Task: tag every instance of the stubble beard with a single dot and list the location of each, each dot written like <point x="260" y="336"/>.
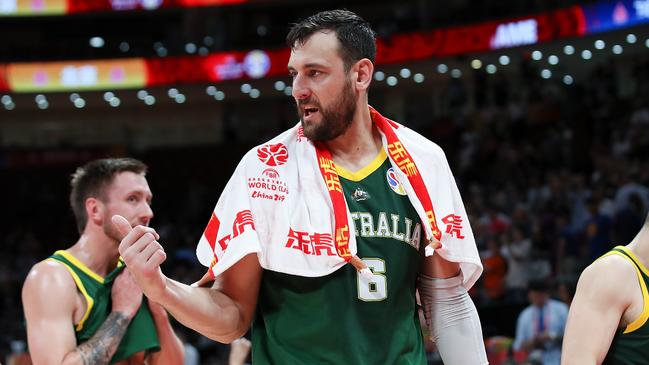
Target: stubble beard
<point x="336" y="118"/>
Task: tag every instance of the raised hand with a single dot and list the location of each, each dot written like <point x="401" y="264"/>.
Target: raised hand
<point x="143" y="255"/>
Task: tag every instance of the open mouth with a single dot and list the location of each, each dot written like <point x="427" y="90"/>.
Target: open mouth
<point x="309" y="111"/>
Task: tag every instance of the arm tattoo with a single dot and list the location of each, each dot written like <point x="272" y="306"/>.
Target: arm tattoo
<point x="101" y="347"/>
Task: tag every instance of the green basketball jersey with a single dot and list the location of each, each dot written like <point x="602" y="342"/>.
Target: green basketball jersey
<point x="631" y="345"/>
<point x="341" y="318"/>
<point x="141" y="334"/>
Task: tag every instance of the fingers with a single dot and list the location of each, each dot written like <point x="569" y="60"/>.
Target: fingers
<point x="150" y="250"/>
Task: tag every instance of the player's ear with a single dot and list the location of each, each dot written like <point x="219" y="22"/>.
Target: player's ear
<point x="95" y="210"/>
<point x="363" y="70"/>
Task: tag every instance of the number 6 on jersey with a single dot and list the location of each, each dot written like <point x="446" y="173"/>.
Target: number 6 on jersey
<point x="375" y="289"/>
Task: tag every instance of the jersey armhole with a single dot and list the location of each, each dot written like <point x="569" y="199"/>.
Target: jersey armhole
<point x="89" y="301"/>
<point x="644" y="315"/>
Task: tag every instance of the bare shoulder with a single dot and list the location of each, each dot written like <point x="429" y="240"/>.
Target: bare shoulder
<point x="44" y="279"/>
<point x="608" y="277"/>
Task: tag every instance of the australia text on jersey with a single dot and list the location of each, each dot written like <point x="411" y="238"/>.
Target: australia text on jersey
<point x="365" y="226"/>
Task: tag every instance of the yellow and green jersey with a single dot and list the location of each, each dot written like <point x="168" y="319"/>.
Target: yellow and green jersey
<point x="340" y="318"/>
<point x="141" y="334"/>
<point x="630" y="345"/>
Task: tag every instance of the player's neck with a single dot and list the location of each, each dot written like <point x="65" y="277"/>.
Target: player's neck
<point x="640" y="244"/>
<point x="359" y="145"/>
<point x="97" y="251"/>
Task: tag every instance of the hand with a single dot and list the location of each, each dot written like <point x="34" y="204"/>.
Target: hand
<point x="239" y="350"/>
<point x="126" y="296"/>
<point x="143" y="255"/>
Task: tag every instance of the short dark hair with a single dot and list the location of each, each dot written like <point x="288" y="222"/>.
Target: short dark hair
<point x="90" y="180"/>
<point x="356" y="37"/>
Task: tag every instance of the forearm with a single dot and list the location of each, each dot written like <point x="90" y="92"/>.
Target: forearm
<point x="205" y="310"/>
<point x="171" y="348"/>
<point x="453" y="319"/>
<point x="101" y="347"/>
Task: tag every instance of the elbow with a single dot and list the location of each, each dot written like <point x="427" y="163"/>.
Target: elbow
<point x="228" y="338"/>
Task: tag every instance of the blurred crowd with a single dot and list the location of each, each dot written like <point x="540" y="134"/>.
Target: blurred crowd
<point x="552" y="176"/>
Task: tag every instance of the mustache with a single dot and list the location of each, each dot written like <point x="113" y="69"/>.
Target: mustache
<point x="308" y="101"/>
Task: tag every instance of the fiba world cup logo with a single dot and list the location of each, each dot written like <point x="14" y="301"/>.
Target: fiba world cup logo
<point x="394" y="183"/>
<point x="273" y="154"/>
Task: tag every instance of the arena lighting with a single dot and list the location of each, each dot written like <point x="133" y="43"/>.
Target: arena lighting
<point x="245" y="88"/>
<point x="124" y="47"/>
<point x="418" y="78"/>
<point x="79" y="103"/>
<point x="10" y="105"/>
<point x="600" y="44"/>
<point x="537" y="55"/>
<point x="208" y="41"/>
<point x="379" y="76"/>
<point x="617" y="49"/>
<point x="392" y="81"/>
<point x="646" y="42"/>
<point x="220" y="95"/>
<point x="553" y="60"/>
<point x="456" y="73"/>
<point x="442" y="68"/>
<point x="180" y="98"/>
<point x="546" y="74"/>
<point x="203" y="51"/>
<point x="74" y="96"/>
<point x="568" y="80"/>
<point x="568" y="50"/>
<point x="586" y="54"/>
<point x="41" y="102"/>
<point x="96" y="42"/>
<point x="141" y="94"/>
<point x="190" y="48"/>
<point x="254" y="93"/>
<point x="504" y="60"/>
<point x="280" y="85"/>
<point x="114" y="102"/>
<point x="476" y="64"/>
<point x="149" y="100"/>
<point x="631" y="38"/>
<point x="211" y="90"/>
<point x="405" y="73"/>
<point x="6" y="99"/>
<point x="108" y="95"/>
<point x="491" y="69"/>
<point x="563" y="23"/>
<point x="173" y="92"/>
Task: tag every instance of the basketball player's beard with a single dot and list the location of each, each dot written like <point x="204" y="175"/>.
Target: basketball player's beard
<point x="110" y="230"/>
<point x="336" y="118"/>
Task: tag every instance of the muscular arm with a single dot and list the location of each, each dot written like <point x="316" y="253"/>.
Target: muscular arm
<point x="603" y="294"/>
<point x="223" y="312"/>
<point x="49" y="298"/>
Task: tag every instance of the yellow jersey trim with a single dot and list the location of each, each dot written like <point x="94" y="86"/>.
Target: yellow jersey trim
<point x="365" y="171"/>
<point x="80" y="265"/>
<point x="635" y="258"/>
<point x="89" y="299"/>
<point x="644" y="316"/>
